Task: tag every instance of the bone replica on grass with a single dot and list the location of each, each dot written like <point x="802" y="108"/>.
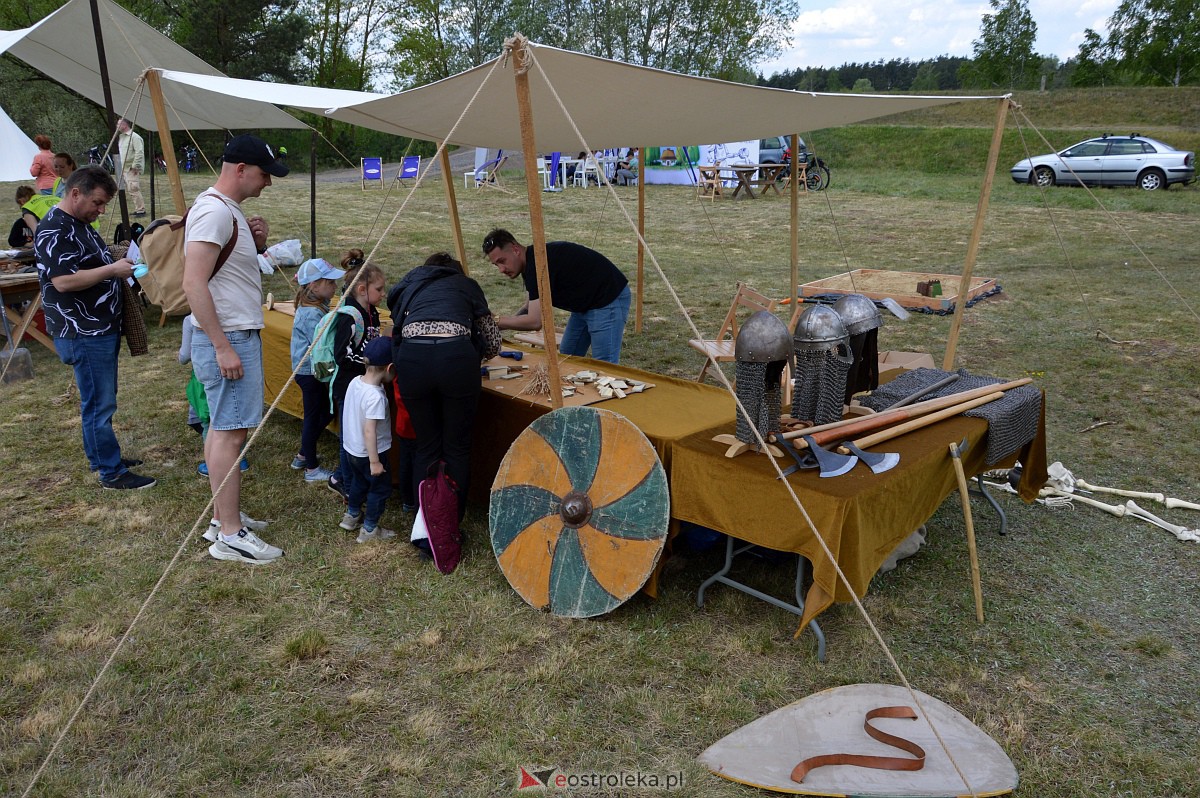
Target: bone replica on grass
<point x="1060" y="492"/>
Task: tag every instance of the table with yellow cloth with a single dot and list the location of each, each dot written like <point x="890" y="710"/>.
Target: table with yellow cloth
<point x="862" y="516"/>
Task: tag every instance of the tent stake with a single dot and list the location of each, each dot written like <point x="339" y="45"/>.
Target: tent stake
<point x="985" y="192"/>
<point x="533" y="186"/>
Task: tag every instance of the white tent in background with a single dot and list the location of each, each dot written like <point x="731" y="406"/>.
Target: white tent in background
<point x="16" y="151"/>
<point x="62" y="46"/>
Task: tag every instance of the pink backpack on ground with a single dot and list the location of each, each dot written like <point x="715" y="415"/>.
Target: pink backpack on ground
<point x="438" y="495"/>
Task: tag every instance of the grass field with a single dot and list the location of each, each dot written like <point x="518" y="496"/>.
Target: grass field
<point x="358" y="670"/>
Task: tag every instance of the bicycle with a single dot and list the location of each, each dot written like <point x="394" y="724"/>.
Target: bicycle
<point x="189" y="162"/>
<point x="816" y="175"/>
<point x="96" y="156"/>
<point x="160" y="163"/>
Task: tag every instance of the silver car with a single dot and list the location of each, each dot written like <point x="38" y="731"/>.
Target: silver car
<point x="1111" y="161"/>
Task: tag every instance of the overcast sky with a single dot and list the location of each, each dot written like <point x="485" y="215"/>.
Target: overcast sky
<point x="833" y="32"/>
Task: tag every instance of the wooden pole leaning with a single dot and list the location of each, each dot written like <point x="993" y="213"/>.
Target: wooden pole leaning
<point x="460" y="248"/>
<point x="533" y="187"/>
<point x="154" y="83"/>
<point x="985" y="192"/>
<point x="965" y="493"/>
<point x="794" y="194"/>
<point x="641" y="256"/>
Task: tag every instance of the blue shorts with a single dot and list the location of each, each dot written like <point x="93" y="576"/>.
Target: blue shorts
<point x="232" y="404"/>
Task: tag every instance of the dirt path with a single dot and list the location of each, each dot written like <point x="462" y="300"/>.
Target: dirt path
<point x="460" y="161"/>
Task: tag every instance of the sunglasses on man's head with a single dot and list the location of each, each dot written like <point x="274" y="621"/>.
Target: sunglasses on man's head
<point x="489" y="244"/>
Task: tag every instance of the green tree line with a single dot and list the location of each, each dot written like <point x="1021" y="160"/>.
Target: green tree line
<point x="1149" y="43"/>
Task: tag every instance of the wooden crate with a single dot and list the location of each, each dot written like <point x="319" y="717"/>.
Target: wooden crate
<point x="900" y="286"/>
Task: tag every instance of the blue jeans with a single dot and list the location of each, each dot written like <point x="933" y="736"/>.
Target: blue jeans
<point x="601" y="328"/>
<point x="94" y="359"/>
<point x="362" y="488"/>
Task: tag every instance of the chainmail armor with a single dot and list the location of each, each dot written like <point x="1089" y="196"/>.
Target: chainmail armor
<point x="759" y="391"/>
<point x="819" y="386"/>
<point x="1012" y="420"/>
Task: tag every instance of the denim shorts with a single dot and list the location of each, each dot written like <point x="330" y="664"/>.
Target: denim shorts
<point x="232" y="404"/>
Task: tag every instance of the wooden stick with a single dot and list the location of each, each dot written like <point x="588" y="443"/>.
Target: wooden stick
<point x="921" y="421"/>
<point x="985" y="192"/>
<point x="533" y="188"/>
<point x="879" y="420"/>
<point x="965" y="493"/>
<point x="460" y="248"/>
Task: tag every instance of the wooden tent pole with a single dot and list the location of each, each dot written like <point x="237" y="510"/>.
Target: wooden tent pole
<point x="105" y="83"/>
<point x="795" y="220"/>
<point x="533" y="187"/>
<point x="312" y="192"/>
<point x="452" y="205"/>
<point x="641" y="258"/>
<point x="964" y="283"/>
<point x="154" y="83"/>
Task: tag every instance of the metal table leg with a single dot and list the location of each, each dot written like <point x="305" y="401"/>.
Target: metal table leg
<point x="982" y="491"/>
<point x="797" y="608"/>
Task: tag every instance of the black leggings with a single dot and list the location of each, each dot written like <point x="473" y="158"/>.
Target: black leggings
<point x="440" y="385"/>
<point x="317" y="415"/>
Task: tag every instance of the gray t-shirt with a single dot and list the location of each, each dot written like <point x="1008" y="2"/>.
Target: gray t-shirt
<point x="237" y="287"/>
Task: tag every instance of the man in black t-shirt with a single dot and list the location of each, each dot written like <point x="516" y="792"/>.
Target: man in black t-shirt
<point x="81" y="295"/>
<point x="582" y="281"/>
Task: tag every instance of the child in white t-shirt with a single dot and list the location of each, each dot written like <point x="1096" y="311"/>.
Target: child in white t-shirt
<point x="366" y="438"/>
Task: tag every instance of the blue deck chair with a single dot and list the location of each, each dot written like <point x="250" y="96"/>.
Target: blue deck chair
<point x="410" y="167"/>
<point x="372" y="170"/>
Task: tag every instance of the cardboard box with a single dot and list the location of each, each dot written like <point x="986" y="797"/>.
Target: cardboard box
<point x="892" y="364"/>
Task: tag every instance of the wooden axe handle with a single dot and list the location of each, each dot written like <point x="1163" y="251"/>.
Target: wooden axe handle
<point x="924" y="421"/>
<point x="852" y="427"/>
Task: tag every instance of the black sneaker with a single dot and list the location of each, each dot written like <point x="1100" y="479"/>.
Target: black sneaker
<point x="337" y="486"/>
<point x="128" y="481"/>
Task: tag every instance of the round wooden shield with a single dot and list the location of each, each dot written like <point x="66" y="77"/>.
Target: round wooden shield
<point x="579" y="512"/>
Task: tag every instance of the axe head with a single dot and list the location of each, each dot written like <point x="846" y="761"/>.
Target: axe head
<point x="832" y="464"/>
<point x="878" y="463"/>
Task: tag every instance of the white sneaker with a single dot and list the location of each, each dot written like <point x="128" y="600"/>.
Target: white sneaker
<point x="378" y="533"/>
<point x="350" y="522"/>
<point x="214" y="527"/>
<point x="245" y="547"/>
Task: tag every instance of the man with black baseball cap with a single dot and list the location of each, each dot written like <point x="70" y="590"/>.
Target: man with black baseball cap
<point x="223" y="285"/>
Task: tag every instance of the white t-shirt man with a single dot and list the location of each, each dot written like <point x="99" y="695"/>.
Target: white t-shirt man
<point x="237" y="287"/>
<point x="364" y="401"/>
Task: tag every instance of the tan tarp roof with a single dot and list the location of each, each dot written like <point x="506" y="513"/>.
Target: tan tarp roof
<point x="614" y="104"/>
<point x="63" y="47"/>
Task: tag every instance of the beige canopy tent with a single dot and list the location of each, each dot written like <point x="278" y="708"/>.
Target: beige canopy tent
<point x="570" y="101"/>
<point x="62" y="46"/>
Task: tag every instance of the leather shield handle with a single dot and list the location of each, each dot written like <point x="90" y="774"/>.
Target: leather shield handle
<point x="852" y="427"/>
<point x="871" y="760"/>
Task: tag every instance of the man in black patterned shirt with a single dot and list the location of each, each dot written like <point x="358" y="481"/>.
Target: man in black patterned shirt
<point x="81" y="296"/>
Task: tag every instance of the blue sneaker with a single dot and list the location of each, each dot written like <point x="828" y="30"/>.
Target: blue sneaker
<point x="202" y="469"/>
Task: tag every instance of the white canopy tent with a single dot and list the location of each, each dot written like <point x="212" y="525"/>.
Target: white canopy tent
<point x="16" y="151"/>
<point x="62" y="46"/>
